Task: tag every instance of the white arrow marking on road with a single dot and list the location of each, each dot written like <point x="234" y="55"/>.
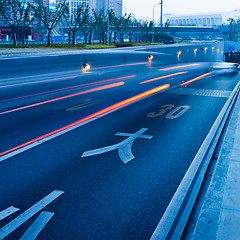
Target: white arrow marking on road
<point x="37" y="226"/>
<point x="18" y="221"/>
<point x="124" y="147"/>
<point x="7" y="212"/>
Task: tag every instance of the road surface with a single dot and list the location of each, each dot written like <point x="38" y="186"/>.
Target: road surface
<point x="99" y="155"/>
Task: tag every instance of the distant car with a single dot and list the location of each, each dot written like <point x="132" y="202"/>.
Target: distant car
<point x="225" y="68"/>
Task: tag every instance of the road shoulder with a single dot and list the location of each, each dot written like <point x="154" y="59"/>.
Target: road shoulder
<point x="220" y="213"/>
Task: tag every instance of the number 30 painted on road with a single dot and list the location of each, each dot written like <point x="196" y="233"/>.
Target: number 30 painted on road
<point x="175" y="113"/>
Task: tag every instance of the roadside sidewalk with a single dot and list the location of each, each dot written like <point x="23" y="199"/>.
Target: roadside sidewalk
<point x="219" y="215"/>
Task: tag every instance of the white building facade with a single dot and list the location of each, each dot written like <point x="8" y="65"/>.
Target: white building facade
<point x="208" y="20"/>
<point x="196" y="20"/>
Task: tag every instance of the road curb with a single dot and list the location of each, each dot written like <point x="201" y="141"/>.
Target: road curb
<point x="174" y="219"/>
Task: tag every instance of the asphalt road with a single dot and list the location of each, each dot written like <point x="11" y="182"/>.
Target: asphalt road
<point x="144" y="138"/>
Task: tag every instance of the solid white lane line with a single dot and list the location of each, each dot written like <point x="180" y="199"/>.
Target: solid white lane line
<point x="37" y="226"/>
<point x="7" y="212"/>
<point x="18" y="221"/>
<point x="32" y="145"/>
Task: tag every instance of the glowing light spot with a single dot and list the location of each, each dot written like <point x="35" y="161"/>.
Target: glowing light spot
<point x="150" y="57"/>
<point x="86" y="67"/>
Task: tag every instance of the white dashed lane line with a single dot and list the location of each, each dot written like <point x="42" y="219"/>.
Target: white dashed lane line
<point x="7" y="212"/>
<point x="25" y="216"/>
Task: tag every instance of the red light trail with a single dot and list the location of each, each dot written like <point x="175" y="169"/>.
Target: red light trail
<point x="102" y="112"/>
<point x="64" y="97"/>
<point x="176" y="67"/>
<point x="162" y="77"/>
<point x="195" y="79"/>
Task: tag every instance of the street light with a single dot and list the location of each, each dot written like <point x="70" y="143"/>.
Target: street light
<point x="161" y="16"/>
<point x="108" y="24"/>
<point x="153" y="22"/>
<point x="123" y="6"/>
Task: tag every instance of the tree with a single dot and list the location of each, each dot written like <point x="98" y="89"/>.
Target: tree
<point x="145" y="29"/>
<point x="234" y="29"/>
<point x="78" y="19"/>
<point x="112" y="22"/>
<point x="50" y="16"/>
<point x="231" y="29"/>
<point x="100" y="24"/>
<point x="132" y="28"/>
<point x="88" y="30"/>
<point x="18" y="15"/>
<point x="238" y="29"/>
<point x="122" y="25"/>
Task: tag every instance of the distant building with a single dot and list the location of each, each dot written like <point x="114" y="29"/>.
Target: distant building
<point x="116" y="5"/>
<point x="73" y="4"/>
<point x="208" y="20"/>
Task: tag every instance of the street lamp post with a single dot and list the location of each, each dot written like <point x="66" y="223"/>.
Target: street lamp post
<point x="153" y="22"/>
<point x="123" y="6"/>
<point x="161" y="15"/>
<point x="108" y="24"/>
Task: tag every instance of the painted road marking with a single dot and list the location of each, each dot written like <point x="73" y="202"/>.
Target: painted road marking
<point x="37" y="226"/>
<point x="200" y="92"/>
<point x="175" y="113"/>
<point x="124" y="147"/>
<point x="163" y="109"/>
<point x="7" y="212"/>
<point x="85" y="103"/>
<point x="25" y="216"/>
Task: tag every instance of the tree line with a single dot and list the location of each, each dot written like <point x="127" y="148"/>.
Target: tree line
<point x="20" y="14"/>
<point x="234" y="29"/>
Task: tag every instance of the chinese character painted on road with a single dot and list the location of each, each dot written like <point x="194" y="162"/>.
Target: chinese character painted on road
<point x="124" y="147"/>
